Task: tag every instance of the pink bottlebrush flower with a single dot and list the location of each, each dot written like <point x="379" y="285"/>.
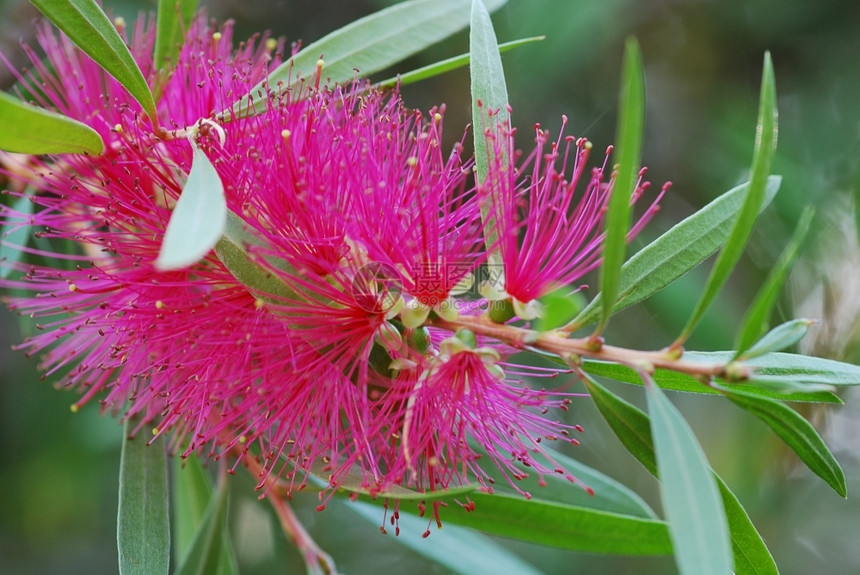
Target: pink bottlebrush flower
<point x="463" y="404"/>
<point x="192" y="350"/>
<point x="547" y="236"/>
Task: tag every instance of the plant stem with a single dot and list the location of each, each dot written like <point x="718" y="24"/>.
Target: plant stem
<point x="571" y="349"/>
<point x="318" y="561"/>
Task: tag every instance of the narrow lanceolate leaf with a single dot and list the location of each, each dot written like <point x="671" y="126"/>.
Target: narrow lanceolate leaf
<point x="767" y="384"/>
<point x="174" y="18"/>
<point x="749" y="550"/>
<point x="628" y="155"/>
<point x="756" y="320"/>
<point x="489" y="105"/>
<point x="562" y="526"/>
<point x="191" y="494"/>
<point x="630" y="424"/>
<point x="798" y="368"/>
<point x="608" y="494"/>
<point x="779" y="338"/>
<point x="14" y="235"/>
<point x="797" y="433"/>
<point x="198" y="219"/>
<point x="31" y="130"/>
<point x="676" y="252"/>
<point x="447" y="65"/>
<point x="691" y="500"/>
<point x="143" y="522"/>
<point x="205" y="553"/>
<point x="370" y="44"/>
<point x="752" y="556"/>
<point x="458" y="549"/>
<point x="765" y="146"/>
<point x="86" y="24"/>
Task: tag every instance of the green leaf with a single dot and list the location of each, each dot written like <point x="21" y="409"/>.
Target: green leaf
<point x="447" y="65"/>
<point x="190" y="493"/>
<point x="801" y="368"/>
<point x="752" y="556"/>
<point x="15" y="234"/>
<point x="143" y="522"/>
<point x="559" y="307"/>
<point x="609" y="495"/>
<point x="797" y="433"/>
<point x="31" y="130"/>
<point x="765" y="146"/>
<point x="675" y="253"/>
<point x="205" y="553"/>
<point x="755" y="322"/>
<point x="369" y="44"/>
<point x="458" y="549"/>
<point x="677" y="381"/>
<point x="198" y="219"/>
<point x="628" y="155"/>
<point x="86" y="24"/>
<point x="232" y="250"/>
<point x="691" y="500"/>
<point x="174" y="18"/>
<point x="779" y="338"/>
<point x="489" y="107"/>
<point x="630" y="424"/>
<point x="560" y="525"/>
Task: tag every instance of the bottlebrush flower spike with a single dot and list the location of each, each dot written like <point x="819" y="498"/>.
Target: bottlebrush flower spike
<point x="549" y="238"/>
<point x="464" y="404"/>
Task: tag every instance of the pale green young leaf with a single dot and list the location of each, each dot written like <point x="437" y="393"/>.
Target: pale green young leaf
<point x="447" y="65"/>
<point x="143" y="522"/>
<point x="675" y="253"/>
<point x="627" y="156"/>
<point x="797" y="433"/>
<point x="172" y="22"/>
<point x="86" y="24"/>
<point x="778" y="339"/>
<point x="368" y="45"/>
<point x="691" y="499"/>
<point x="765" y="146"/>
<point x="458" y="549"/>
<point x="756" y="319"/>
<point x="198" y="219"/>
<point x="205" y="554"/>
<point x="15" y="234"/>
<point x="31" y="130"/>
<point x="489" y="108"/>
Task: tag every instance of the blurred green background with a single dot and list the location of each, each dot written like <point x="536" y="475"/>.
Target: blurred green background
<point x="58" y="471"/>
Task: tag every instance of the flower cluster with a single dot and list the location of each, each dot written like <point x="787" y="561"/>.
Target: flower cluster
<point x="317" y="336"/>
